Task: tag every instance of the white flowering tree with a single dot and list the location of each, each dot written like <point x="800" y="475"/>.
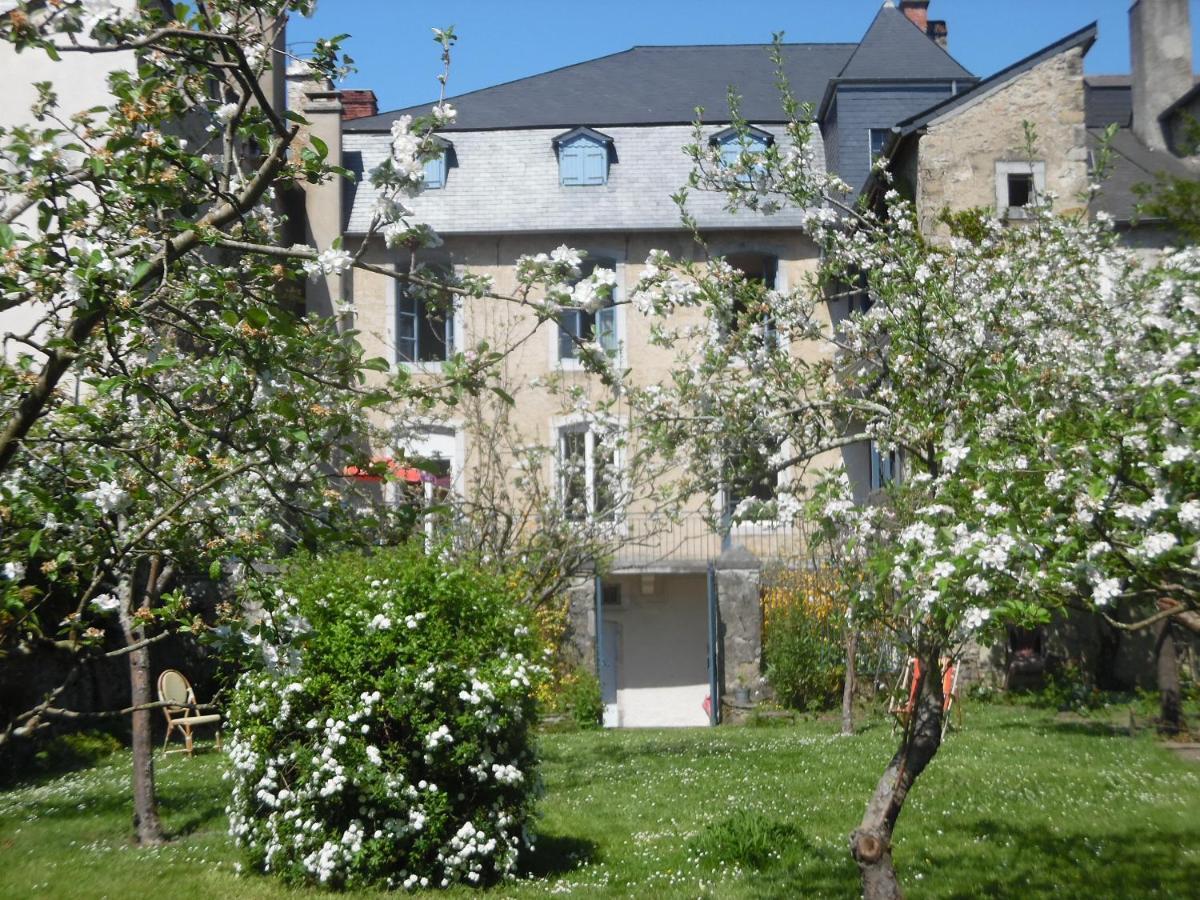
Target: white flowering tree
<point x="1038" y="381"/>
<point x="166" y="407"/>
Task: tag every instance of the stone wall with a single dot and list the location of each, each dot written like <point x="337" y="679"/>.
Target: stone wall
<point x="958" y="154"/>
<point x="740" y="619"/>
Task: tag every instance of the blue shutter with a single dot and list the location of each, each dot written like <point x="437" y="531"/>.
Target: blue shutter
<point x="406" y="325"/>
<point x="595" y="163"/>
<point x="730" y="150"/>
<point x="568" y="328"/>
<point x="606" y="329"/>
<point x="435" y="171"/>
<point x="570" y="163"/>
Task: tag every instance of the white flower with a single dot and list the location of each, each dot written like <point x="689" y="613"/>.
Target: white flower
<point x="1157" y="544"/>
<point x="374" y="755"/>
<point x="108" y="497"/>
<point x="14" y="571"/>
<point x="444" y="113"/>
<point x="1105" y="591"/>
<point x="328" y="262"/>
<point x="954" y="456"/>
<point x="977" y="585"/>
<point x="105" y="603"/>
<point x="976" y="618"/>
<point x="1189" y="515"/>
<point x="225" y="113"/>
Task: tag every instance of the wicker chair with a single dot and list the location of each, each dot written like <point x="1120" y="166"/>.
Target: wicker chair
<point x="175" y="689"/>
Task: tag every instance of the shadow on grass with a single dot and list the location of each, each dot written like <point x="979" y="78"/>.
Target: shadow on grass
<point x="1081" y="727"/>
<point x="1010" y="859"/>
<point x="555" y="854"/>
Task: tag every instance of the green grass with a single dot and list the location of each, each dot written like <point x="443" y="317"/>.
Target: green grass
<point x="1019" y="803"/>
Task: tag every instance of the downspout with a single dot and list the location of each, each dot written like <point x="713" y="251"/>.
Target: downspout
<point x="714" y="707"/>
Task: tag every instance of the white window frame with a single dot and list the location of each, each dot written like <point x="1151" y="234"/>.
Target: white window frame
<point x="572" y="363"/>
<point x="579" y="425"/>
<point x="1004" y="168"/>
<point x="436" y="442"/>
<point x="456" y="320"/>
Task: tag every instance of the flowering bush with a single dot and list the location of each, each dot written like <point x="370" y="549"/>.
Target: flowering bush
<point x="385" y="735"/>
<point x="804" y="624"/>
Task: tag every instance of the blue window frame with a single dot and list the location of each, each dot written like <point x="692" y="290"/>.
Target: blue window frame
<point x="886" y="468"/>
<point x="435" y="171"/>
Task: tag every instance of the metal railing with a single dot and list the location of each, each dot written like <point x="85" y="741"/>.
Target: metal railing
<point x="648" y="542"/>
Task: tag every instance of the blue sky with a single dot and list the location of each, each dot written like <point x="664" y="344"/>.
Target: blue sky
<point x="498" y="41"/>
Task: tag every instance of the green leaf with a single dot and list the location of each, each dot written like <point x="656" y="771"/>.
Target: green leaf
<point x="35" y="543"/>
<point x="319" y="145"/>
<point x="214" y="570"/>
<point x="504" y="395"/>
<point x="257" y="316"/>
<point x="7" y="236"/>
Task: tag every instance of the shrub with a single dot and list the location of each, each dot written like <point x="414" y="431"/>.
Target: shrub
<point x="582" y="695"/>
<point x="804" y="623"/>
<point x="387" y="737"/>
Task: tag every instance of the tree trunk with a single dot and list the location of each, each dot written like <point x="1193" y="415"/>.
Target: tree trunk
<point x="147" y="827"/>
<point x="851" y="676"/>
<point x="1171" y="720"/>
<point x="871" y="842"/>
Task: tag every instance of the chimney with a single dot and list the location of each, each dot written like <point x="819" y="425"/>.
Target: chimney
<point x="940" y="34"/>
<point x="359" y="104"/>
<point x="917" y="12"/>
<point x="1160" y="51"/>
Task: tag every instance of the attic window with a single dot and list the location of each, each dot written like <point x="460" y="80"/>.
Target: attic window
<point x="435" y="168"/>
<point x="1018" y="186"/>
<point x="583" y="157"/>
<point x="734" y="143"/>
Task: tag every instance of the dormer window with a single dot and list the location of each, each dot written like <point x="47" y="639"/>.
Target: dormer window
<point x="732" y="144"/>
<point x="435" y="169"/>
<point x="583" y="157"/>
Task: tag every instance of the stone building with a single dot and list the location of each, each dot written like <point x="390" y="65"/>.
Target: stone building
<point x="589" y="156"/>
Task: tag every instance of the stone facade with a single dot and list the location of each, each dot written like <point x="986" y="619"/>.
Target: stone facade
<point x="957" y="157"/>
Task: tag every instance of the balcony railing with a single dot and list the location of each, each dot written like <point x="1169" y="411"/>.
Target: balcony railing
<point x="651" y="542"/>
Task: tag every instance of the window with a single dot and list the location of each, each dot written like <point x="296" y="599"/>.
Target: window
<point x="587" y="473"/>
<point x="583" y="157"/>
<point x="424" y="479"/>
<point x="1020" y="189"/>
<point x="1018" y="186"/>
<point x="732" y="145"/>
<point x="424" y="324"/>
<point x="435" y="171"/>
<point x="879" y="139"/>
<point x="886" y="467"/>
<point x="576" y="324"/>
<point x="751" y="478"/>
<point x="762" y="270"/>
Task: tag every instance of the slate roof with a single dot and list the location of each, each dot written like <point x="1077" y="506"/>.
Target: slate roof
<point x="1084" y="38"/>
<point x="894" y="48"/>
<point x="644" y="86"/>
<point x="1133" y="163"/>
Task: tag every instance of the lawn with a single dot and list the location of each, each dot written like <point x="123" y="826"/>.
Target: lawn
<point x="1019" y="803"/>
